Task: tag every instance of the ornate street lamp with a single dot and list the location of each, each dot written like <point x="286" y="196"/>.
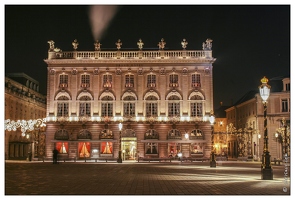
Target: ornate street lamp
<point x="266" y="169"/>
<point x="212" y="157"/>
<point x="120" y="137"/>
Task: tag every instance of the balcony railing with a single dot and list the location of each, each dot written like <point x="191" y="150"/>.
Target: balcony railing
<point x="151" y="85"/>
<point x="129" y="85"/>
<point x="107" y="84"/>
<point x="85" y="85"/>
<point x="130" y="54"/>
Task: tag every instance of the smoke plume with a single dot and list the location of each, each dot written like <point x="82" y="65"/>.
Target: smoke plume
<point x="100" y="16"/>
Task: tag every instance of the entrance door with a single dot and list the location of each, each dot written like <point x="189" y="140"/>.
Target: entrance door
<point x="129" y="148"/>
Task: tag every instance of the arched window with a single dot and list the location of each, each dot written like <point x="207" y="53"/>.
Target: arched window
<point x="196" y="106"/>
<point x="151" y="106"/>
<point x="173" y="106"/>
<point x="63" y="106"/>
<point x="129" y="106"/>
<point x="107" y="106"/>
<point x="84" y="106"/>
<point x="151" y="134"/>
<point x="174" y="134"/>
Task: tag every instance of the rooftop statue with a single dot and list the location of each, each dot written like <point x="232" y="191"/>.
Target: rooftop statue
<point x="51" y="45"/>
<point x="140" y="44"/>
<point x="119" y="43"/>
<point x="97" y="45"/>
<point x="208" y="44"/>
<point x="75" y="44"/>
<point x="184" y="43"/>
<point x="161" y="44"/>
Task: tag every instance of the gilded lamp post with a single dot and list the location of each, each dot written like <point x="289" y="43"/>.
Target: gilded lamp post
<point x="120" y="137"/>
<point x="212" y="157"/>
<point x="266" y="169"/>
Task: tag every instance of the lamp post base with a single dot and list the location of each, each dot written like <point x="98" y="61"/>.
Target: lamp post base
<point x="212" y="160"/>
<point x="266" y="174"/>
<point x="119" y="160"/>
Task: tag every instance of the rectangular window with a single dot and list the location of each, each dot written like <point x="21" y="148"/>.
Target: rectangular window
<point x="288" y="87"/>
<point x="62" y="109"/>
<point x="62" y="147"/>
<point x="173" y="109"/>
<point x="107" y="80"/>
<point x="285" y="106"/>
<point x="196" y="110"/>
<point x="129" y="81"/>
<point x="174" y="149"/>
<point x="106" y="148"/>
<point x="196" y="80"/>
<point x="106" y="109"/>
<point x="85" y="109"/>
<point x="151" y="80"/>
<point x="173" y="80"/>
<point x="85" y="80"/>
<point x="129" y="109"/>
<point x="151" y="148"/>
<point x="63" y="80"/>
<point x="151" y="109"/>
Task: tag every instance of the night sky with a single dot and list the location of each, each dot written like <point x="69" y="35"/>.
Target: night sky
<point x="249" y="41"/>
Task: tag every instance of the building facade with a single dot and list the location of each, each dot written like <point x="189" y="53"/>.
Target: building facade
<point x="245" y="130"/>
<point x="161" y="97"/>
<point x="23" y="102"/>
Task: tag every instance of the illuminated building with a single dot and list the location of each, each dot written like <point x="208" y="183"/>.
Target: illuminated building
<point x="245" y="137"/>
<point x="161" y="97"/>
<point x="23" y="102"/>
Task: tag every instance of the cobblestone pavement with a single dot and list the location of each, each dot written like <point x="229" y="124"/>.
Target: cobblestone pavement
<point x="132" y="178"/>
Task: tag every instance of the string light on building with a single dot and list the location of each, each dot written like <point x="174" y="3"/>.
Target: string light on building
<point x="24" y="125"/>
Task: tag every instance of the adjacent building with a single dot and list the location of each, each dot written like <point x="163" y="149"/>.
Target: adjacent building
<point x="245" y="123"/>
<point x="23" y="101"/>
<point x="162" y="98"/>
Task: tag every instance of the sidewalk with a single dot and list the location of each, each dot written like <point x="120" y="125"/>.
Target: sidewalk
<point x="143" y="178"/>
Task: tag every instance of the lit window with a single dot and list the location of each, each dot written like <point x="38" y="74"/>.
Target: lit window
<point x="129" y="106"/>
<point x="196" y="106"/>
<point x="63" y="80"/>
<point x="151" y="106"/>
<point x="107" y="106"/>
<point x="173" y="80"/>
<point x="129" y="81"/>
<point x="151" y="80"/>
<point x="151" y="148"/>
<point x="62" y="147"/>
<point x="85" y="80"/>
<point x="196" y="149"/>
<point x="85" y="106"/>
<point x="106" y="148"/>
<point x="174" y="149"/>
<point x="62" y="106"/>
<point x="173" y="106"/>
<point x="196" y="80"/>
<point x="84" y="149"/>
<point x="107" y="80"/>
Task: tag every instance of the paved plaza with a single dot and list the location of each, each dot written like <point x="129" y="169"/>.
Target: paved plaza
<point x="143" y="178"/>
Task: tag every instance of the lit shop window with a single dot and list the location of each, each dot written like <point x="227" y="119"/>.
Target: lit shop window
<point x="174" y="149"/>
<point x="151" y="148"/>
<point x="196" y="148"/>
<point x="84" y="149"/>
<point x="62" y="147"/>
<point x="106" y="148"/>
